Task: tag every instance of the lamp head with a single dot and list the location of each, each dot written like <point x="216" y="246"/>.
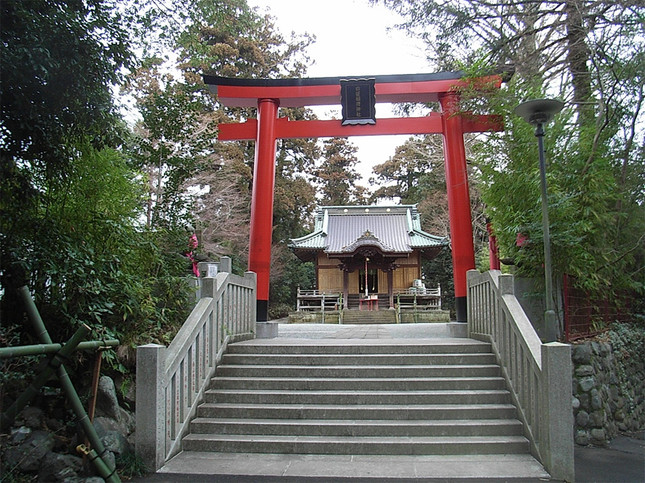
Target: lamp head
<point x="539" y="111"/>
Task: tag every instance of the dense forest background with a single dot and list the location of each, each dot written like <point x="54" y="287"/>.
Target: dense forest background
<point x="109" y="159"/>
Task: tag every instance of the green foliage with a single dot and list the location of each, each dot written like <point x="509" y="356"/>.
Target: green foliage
<point x="86" y="260"/>
<point x="401" y="175"/>
<point x="279" y="311"/>
<point x="595" y="162"/>
<point x="439" y="271"/>
<point x="287" y="274"/>
<point x="176" y="147"/>
<point x="59" y="60"/>
<point x="130" y="465"/>
<point x="587" y="207"/>
<point x="337" y="175"/>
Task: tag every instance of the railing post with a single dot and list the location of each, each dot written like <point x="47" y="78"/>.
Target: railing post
<point x="506" y="284"/>
<point x="471" y="276"/>
<point x="150" y="412"/>
<point x="207" y="287"/>
<point x="225" y="264"/>
<point x="556" y="413"/>
<point x="251" y="301"/>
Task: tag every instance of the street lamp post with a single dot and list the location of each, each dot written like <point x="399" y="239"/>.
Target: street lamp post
<point x="538" y="112"/>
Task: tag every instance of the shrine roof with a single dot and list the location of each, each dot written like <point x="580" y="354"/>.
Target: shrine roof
<point x="340" y="230"/>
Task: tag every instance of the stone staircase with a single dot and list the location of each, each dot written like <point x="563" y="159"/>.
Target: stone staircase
<point x="353" y="397"/>
<point x="386" y="316"/>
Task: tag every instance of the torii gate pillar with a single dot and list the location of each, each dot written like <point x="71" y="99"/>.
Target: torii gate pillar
<point x="461" y="230"/>
<point x="268" y="94"/>
<point x="262" y="202"/>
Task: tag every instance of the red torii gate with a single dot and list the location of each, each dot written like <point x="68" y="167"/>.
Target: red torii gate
<point x="269" y="94"/>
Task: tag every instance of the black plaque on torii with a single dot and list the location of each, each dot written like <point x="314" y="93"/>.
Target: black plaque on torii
<point x="358" y="100"/>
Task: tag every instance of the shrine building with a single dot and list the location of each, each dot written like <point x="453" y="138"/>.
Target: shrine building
<point x="369" y="255"/>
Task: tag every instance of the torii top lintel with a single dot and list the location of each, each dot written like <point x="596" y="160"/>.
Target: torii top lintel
<point x="319" y="91"/>
<point x="238" y="92"/>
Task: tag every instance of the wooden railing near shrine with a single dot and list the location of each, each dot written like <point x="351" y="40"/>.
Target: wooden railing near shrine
<point x="538" y="375"/>
<point x="319" y="300"/>
<point x="416" y="299"/>
<point x="171" y="381"/>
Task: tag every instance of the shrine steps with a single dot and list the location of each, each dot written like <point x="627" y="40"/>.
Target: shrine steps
<point x="404" y="402"/>
<point x="385" y="316"/>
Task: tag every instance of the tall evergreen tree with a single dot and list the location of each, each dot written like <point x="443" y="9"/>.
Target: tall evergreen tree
<point x="337" y="176"/>
<point x="590" y="54"/>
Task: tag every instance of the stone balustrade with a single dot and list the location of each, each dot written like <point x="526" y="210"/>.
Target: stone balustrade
<point x="171" y="380"/>
<point x="538" y="375"/>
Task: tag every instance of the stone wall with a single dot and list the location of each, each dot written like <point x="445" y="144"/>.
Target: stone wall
<point x="609" y="385"/>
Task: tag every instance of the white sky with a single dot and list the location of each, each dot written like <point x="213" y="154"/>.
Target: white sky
<point x="352" y="39"/>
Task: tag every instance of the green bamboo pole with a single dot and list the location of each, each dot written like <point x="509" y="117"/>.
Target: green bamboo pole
<point x="34" y="316"/>
<point x="28" y="394"/>
<point x="104" y="470"/>
<point x="41" y="349"/>
<point x="88" y="427"/>
<point x="68" y="387"/>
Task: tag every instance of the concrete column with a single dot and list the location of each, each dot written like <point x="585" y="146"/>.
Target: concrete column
<point x="150" y="415"/>
<point x="556" y="413"/>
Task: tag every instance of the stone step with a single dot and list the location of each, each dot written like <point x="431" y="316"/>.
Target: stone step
<point x="350" y="445"/>
<point x="355" y="397"/>
<point x="358" y="372"/>
<point x="369" y="316"/>
<point x="322" y="346"/>
<point x="340" y="397"/>
<point x="353" y="412"/>
<point x="209" y="466"/>
<point x="357" y="359"/>
<point x="339" y="427"/>
<point x="359" y="384"/>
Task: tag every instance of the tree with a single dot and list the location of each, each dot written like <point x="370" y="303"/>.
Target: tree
<point x="222" y="209"/>
<point x="546" y="39"/>
<point x="590" y="55"/>
<point x="174" y="140"/>
<point x="59" y="60"/>
<point x="69" y="223"/>
<point x="400" y="175"/>
<point x="58" y="63"/>
<point x="180" y="116"/>
<point x="336" y="175"/>
<point x="187" y="169"/>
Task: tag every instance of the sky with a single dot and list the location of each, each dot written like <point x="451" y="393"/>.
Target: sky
<point x="352" y="39"/>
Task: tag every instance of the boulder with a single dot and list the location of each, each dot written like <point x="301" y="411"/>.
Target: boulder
<point x="586" y="383"/>
<point x="582" y="419"/>
<point x="117" y="443"/>
<point x="107" y="402"/>
<point x="29" y="455"/>
<point x="582" y="353"/>
<point x="32" y="417"/>
<point x="60" y="467"/>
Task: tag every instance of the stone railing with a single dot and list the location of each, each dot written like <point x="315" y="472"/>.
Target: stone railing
<point x="538" y="375"/>
<point x="171" y="381"/>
